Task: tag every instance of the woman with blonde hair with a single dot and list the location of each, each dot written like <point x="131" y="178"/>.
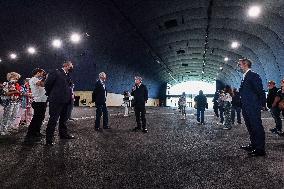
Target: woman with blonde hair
<point x="11" y="102"/>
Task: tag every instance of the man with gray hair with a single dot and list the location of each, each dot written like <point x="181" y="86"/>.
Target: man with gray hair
<point x="99" y="97"/>
<point x="140" y="93"/>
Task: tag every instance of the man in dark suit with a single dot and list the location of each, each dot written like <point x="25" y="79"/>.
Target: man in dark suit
<point x="253" y="100"/>
<point x="140" y="93"/>
<point x="58" y="89"/>
<point x="99" y="97"/>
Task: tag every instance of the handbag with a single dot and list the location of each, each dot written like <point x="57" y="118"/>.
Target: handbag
<point x="281" y="104"/>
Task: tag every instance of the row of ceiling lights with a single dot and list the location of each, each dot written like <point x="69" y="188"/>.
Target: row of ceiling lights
<point x="253" y="12"/>
<point x="56" y="43"/>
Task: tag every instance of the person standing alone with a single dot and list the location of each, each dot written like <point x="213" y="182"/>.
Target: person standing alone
<point x="99" y="97"/>
<point x="201" y="104"/>
<point x="140" y="93"/>
<point x="253" y="100"/>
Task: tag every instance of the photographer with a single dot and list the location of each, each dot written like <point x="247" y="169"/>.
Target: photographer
<point x="126" y="101"/>
<point x="39" y="104"/>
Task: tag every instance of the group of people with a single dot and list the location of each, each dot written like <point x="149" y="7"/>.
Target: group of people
<point x="200" y="104"/>
<point x="29" y="102"/>
<point x="250" y="100"/>
<point x="56" y="90"/>
<point x="226" y="104"/>
<point x="140" y="97"/>
<point x="16" y="103"/>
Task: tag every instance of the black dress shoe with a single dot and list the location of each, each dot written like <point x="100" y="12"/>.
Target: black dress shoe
<point x="145" y="131"/>
<point x="256" y="153"/>
<point x="97" y="129"/>
<point x="248" y="148"/>
<point x="49" y="144"/>
<point x="274" y="130"/>
<point x="67" y="137"/>
<point x="106" y="127"/>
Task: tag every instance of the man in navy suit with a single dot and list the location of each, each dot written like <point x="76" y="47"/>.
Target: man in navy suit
<point x="99" y="97"/>
<point x="58" y="89"/>
<point x="253" y="100"/>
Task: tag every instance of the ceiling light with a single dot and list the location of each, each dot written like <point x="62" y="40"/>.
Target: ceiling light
<point x="0" y="60"/>
<point x="31" y="50"/>
<point x="254" y="11"/>
<point x="226" y="59"/>
<point x="57" y="43"/>
<point x="75" y="38"/>
<point x="13" y="56"/>
<point x="235" y="45"/>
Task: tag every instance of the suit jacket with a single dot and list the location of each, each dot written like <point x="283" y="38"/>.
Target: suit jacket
<point x="201" y="101"/>
<point x="140" y="96"/>
<point x="251" y="91"/>
<point x="99" y="93"/>
<point x="58" y="87"/>
<point x="236" y="100"/>
<point x="272" y="93"/>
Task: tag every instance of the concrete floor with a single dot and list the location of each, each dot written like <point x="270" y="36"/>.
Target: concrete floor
<point x="174" y="154"/>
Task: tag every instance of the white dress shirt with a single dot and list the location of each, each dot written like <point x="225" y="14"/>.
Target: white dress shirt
<point x="244" y="75"/>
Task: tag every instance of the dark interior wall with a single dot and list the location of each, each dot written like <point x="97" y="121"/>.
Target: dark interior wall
<point x="111" y="45"/>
